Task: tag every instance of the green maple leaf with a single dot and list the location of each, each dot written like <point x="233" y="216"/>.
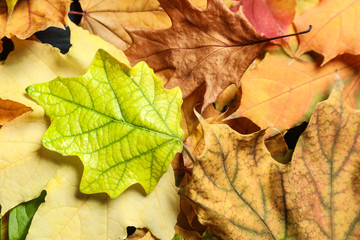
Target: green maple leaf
<point x="120" y="121"/>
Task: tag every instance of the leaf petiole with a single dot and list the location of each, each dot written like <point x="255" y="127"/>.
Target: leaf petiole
<point x="186" y="149"/>
<point x="76" y="13"/>
<point x="284" y="36"/>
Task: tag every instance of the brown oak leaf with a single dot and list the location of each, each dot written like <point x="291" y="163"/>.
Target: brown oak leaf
<point x="212" y="46"/>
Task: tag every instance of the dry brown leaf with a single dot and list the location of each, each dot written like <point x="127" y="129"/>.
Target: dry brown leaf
<point x="10" y="110"/>
<point x="187" y="234"/>
<point x="186" y="209"/>
<point x="211" y="46"/>
<point x="335" y="28"/>
<point x="242" y="193"/>
<point x="189" y="121"/>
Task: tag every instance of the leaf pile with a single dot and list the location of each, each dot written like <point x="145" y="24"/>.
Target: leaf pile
<point x="301" y="200"/>
<point x="96" y="132"/>
<point x="211" y="46"/>
<point x="30" y="168"/>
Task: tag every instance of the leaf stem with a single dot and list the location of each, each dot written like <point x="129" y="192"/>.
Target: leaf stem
<point x="76" y="13"/>
<point x="186" y="149"/>
<point x="284" y="36"/>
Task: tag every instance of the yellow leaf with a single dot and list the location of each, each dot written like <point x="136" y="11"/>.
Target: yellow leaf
<point x="26" y="167"/>
<point x="240" y="192"/>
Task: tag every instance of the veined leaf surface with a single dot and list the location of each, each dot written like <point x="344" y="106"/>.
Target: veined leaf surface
<point x="315" y="196"/>
<point x="120" y="121"/>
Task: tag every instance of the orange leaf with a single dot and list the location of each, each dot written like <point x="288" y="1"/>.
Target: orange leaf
<point x="10" y="110"/>
<point x="335" y="28"/>
<point x="30" y="16"/>
<point x="211" y="46"/>
<point x="240" y="192"/>
<point x="285" y="95"/>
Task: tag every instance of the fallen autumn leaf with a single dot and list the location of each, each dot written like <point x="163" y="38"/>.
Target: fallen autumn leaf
<point x="240" y="192"/>
<point x="213" y="46"/>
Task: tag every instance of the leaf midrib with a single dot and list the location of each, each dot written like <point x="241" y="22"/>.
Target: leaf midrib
<point x="108" y="117"/>
<point x="150" y="103"/>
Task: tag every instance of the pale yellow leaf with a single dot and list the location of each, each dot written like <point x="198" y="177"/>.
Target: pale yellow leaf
<point x="26" y="167"/>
